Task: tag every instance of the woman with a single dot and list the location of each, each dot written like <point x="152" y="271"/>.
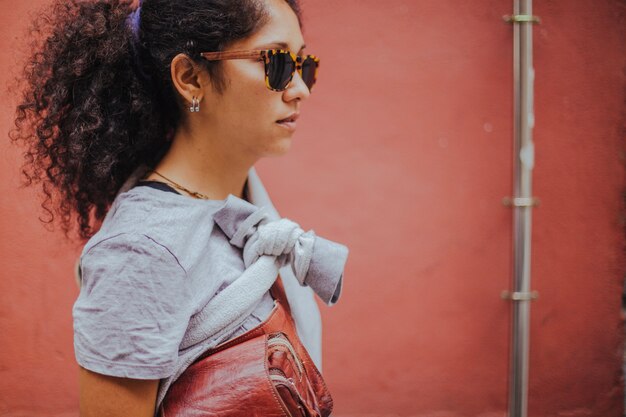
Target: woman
<point x="144" y="124"/>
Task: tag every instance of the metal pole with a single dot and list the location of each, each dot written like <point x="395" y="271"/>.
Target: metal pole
<point x="522" y="203"/>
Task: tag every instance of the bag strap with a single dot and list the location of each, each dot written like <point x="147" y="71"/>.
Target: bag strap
<point x="278" y="293"/>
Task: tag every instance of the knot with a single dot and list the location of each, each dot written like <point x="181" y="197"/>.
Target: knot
<point x="249" y="228"/>
<point x="285" y="240"/>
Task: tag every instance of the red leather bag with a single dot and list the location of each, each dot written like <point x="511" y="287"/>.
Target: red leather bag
<point x="264" y="372"/>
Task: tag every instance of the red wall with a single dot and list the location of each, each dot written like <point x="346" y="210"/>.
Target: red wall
<point x="404" y="153"/>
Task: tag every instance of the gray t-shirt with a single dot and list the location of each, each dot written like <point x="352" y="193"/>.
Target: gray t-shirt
<point x="156" y="262"/>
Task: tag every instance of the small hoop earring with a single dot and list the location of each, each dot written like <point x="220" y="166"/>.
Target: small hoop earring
<point x="195" y="105"/>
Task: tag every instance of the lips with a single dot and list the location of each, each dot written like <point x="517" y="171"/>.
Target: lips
<point x="291" y="118"/>
<point x="289" y="122"/>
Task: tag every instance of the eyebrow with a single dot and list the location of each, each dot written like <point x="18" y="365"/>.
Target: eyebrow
<point x="283" y="45"/>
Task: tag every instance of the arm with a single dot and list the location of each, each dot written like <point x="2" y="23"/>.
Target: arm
<point x="129" y="320"/>
<point x="110" y="396"/>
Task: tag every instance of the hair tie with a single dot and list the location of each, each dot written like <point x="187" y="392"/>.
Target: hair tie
<point x="133" y="21"/>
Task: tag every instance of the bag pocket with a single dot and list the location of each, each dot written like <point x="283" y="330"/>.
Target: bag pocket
<point x="289" y="377"/>
<point x="233" y="382"/>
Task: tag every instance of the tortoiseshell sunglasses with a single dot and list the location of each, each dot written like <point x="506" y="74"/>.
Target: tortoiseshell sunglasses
<point x="280" y="65"/>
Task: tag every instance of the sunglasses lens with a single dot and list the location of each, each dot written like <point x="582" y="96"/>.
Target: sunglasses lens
<point x="280" y="70"/>
<point x="309" y="72"/>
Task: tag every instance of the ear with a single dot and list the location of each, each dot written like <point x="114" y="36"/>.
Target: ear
<point x="189" y="80"/>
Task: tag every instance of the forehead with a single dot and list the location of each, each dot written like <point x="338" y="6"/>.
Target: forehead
<point x="281" y="26"/>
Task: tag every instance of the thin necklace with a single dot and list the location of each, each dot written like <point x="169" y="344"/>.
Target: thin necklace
<point x="180" y="187"/>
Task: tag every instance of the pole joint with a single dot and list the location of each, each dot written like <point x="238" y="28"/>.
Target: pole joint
<point x="521" y="201"/>
<point x="521" y="18"/>
<point x="519" y="295"/>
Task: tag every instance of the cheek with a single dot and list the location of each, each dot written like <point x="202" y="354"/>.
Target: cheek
<point x="250" y="97"/>
<point x="252" y="108"/>
<point x="257" y="105"/>
<point x="248" y="78"/>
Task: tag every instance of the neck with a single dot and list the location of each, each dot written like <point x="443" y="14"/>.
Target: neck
<point x="201" y="165"/>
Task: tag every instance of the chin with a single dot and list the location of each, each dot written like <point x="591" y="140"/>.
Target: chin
<point x="279" y="148"/>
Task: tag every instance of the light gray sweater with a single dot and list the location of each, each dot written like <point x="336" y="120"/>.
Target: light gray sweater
<point x="169" y="276"/>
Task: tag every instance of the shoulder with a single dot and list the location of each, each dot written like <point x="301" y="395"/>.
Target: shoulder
<point x="132" y="309"/>
<point x="127" y="247"/>
<point x="145" y="216"/>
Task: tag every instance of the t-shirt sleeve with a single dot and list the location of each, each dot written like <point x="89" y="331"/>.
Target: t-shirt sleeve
<point x="131" y="313"/>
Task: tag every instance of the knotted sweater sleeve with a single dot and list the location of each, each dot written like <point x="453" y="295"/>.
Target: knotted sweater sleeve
<point x="325" y="275"/>
<point x="131" y="313"/>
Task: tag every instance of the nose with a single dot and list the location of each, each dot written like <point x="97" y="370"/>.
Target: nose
<point x="297" y="89"/>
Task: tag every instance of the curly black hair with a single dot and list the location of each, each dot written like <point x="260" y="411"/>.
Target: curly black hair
<point x="94" y="104"/>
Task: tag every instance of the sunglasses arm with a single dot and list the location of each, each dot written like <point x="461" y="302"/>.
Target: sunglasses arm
<point x="219" y="56"/>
